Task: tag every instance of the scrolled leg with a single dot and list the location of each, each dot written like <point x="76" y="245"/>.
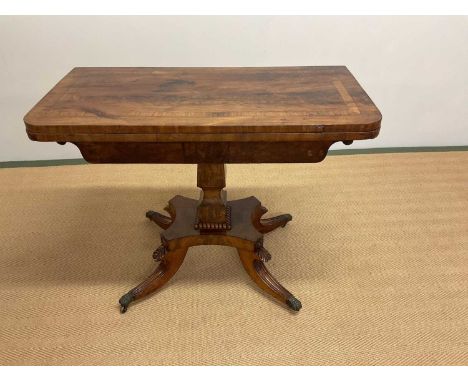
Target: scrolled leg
<point x="170" y="262"/>
<point x="257" y="270"/>
<point x="268" y="224"/>
<point x="161" y="220"/>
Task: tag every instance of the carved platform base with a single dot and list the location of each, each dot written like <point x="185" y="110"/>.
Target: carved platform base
<point x="245" y="234"/>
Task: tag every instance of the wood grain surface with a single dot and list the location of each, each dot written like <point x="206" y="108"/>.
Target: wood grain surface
<point x="205" y="105"/>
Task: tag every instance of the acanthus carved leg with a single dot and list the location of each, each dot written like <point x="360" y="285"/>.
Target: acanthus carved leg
<point x="170" y="262"/>
<point x="253" y="262"/>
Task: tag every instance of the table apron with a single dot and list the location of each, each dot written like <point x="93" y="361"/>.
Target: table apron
<point x="204" y="152"/>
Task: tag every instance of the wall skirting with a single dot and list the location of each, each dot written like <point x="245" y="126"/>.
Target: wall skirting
<point x="384" y="150"/>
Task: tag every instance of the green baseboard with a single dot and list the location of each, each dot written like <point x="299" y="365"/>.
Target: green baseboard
<point x="384" y="150"/>
<point x="41" y="163"/>
<point x="391" y="150"/>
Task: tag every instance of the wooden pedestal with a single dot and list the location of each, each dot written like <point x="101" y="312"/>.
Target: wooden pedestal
<point x="213" y="221"/>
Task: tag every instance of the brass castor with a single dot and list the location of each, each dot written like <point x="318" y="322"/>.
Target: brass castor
<point x="125" y="301"/>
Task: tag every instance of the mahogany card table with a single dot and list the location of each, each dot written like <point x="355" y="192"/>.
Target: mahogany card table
<point x="208" y="117"/>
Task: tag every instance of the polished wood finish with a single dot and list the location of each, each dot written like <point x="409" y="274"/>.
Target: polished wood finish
<point x="244" y="235"/>
<point x="161" y="220"/>
<point x="204" y="152"/>
<point x="207" y="116"/>
<point x="212" y="212"/>
<point x="168" y="266"/>
<point x="204" y="105"/>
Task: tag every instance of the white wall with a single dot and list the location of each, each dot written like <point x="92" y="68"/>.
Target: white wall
<point x="414" y="68"/>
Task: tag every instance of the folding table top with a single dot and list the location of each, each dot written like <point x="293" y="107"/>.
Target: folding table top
<point x="205" y="105"/>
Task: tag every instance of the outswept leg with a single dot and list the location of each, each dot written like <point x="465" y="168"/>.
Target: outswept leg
<point x="257" y="270"/>
<point x="245" y="232"/>
<point x="170" y="262"/>
<point x="161" y="220"/>
<point x="268" y="224"/>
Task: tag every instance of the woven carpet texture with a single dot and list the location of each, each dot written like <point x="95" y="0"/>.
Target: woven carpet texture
<point x="377" y="252"/>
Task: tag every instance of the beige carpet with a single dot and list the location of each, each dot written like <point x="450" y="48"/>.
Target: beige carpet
<point x="377" y="252"/>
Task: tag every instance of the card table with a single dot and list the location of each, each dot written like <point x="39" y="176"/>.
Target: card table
<point x="209" y="117"/>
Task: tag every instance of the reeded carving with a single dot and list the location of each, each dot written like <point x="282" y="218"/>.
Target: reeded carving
<point x="215" y="226"/>
<point x="265" y="280"/>
<point x="168" y="266"/>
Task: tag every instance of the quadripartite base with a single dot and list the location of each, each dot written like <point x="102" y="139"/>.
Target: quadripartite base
<point x="246" y="235"/>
